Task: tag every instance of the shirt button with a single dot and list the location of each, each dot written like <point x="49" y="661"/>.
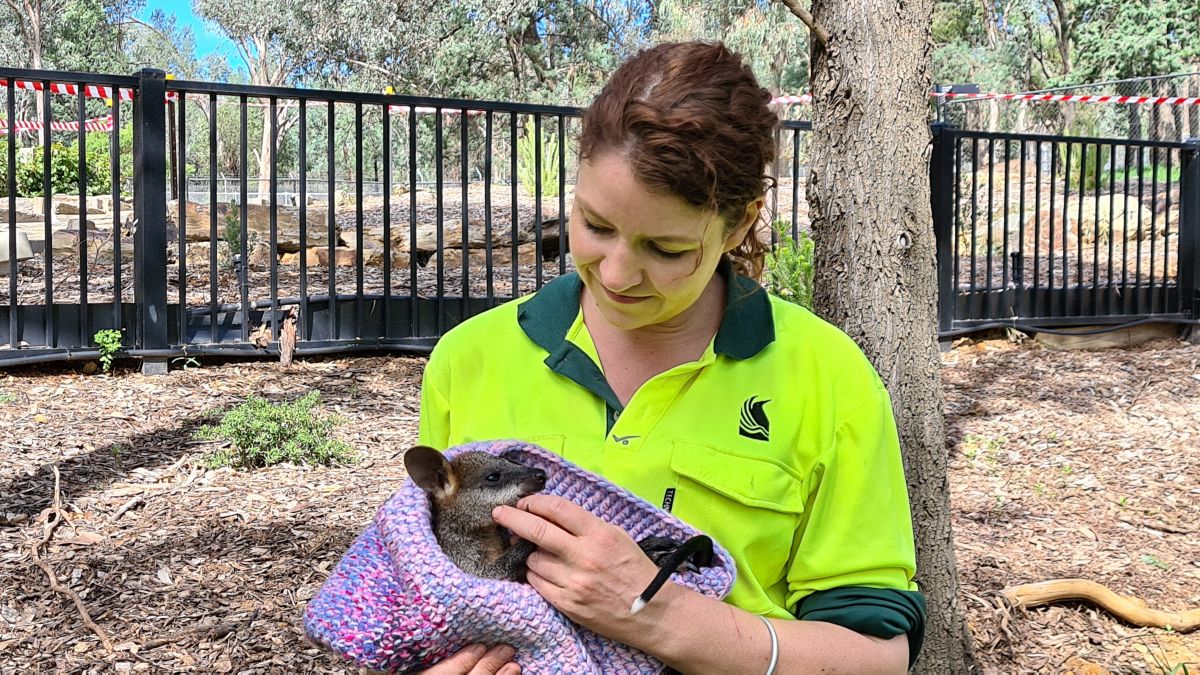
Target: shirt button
<point x="616" y="414"/>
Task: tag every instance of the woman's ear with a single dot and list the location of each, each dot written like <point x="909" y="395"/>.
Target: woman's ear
<point x="749" y="217"/>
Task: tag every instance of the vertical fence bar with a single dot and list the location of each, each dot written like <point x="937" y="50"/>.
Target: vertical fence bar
<point x="1154" y="227"/>
<point x="359" y="235"/>
<point x="1189" y="229"/>
<point x="1095" y="297"/>
<point x="1141" y="179"/>
<point x="991" y="191"/>
<point x="956" y="217"/>
<point x="114" y="158"/>
<point x="1019" y="263"/>
<point x="1037" y="229"/>
<point x="796" y="183"/>
<point x="514" y="288"/>
<point x="48" y="222"/>
<point x="562" y="196"/>
<point x="150" y="205"/>
<point x="81" y="142"/>
<point x="439" y="162"/>
<point x="1004" y="262"/>
<point x="302" y="324"/>
<point x="243" y="219"/>
<point x="537" y="202"/>
<point x="387" y="216"/>
<point x="1166" y="257"/>
<point x="331" y="224"/>
<point x="1050" y="231"/>
<point x="1125" y="294"/>
<point x="415" y="313"/>
<point x="941" y="177"/>
<point x="1082" y="185"/>
<point x="180" y="139"/>
<point x="214" y="234"/>
<point x="13" y="327"/>
<point x="1064" y="277"/>
<point x="973" y="286"/>
<point x="464" y="187"/>
<point x="490" y="293"/>
<point x="1110" y="304"/>
<point x="273" y="246"/>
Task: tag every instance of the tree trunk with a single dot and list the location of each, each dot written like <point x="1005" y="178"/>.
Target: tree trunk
<point x="875" y="259"/>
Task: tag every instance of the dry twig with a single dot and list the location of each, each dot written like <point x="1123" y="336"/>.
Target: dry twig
<point x="1129" y="608"/>
<point x="47" y="533"/>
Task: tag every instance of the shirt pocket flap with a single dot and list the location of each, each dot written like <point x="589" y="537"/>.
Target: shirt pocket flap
<point x="760" y="483"/>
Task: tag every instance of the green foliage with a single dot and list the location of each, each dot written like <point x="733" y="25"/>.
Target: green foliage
<point x="1083" y="172"/>
<point x="789" y="267"/>
<point x="64" y="168"/>
<point x="109" y="342"/>
<point x="264" y="434"/>
<point x="232" y="233"/>
<point x="6" y="398"/>
<point x="527" y="154"/>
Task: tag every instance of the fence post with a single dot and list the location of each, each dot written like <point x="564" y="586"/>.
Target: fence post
<point x="941" y="191"/>
<point x="1189" y="232"/>
<point x="150" y="212"/>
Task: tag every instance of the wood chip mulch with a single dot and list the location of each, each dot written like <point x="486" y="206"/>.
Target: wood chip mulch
<point x="1063" y="464"/>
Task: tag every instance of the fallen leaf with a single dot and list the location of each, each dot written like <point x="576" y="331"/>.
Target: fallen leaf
<point x="164" y="575"/>
<point x="84" y="539"/>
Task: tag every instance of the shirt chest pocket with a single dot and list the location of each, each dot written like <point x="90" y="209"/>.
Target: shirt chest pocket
<point x="752" y="506"/>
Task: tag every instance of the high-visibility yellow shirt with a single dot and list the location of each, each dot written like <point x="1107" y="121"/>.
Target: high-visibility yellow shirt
<point x="779" y="442"/>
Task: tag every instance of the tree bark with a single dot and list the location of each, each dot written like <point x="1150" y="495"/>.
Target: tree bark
<point x="875" y="261"/>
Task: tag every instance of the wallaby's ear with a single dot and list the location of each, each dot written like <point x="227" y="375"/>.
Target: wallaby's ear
<point x="430" y="471"/>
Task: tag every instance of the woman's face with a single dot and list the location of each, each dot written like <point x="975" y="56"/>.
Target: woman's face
<point x="644" y="257"/>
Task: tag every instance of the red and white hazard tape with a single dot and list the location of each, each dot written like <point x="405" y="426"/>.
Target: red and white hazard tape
<point x="806" y="99"/>
<point x="95" y="124"/>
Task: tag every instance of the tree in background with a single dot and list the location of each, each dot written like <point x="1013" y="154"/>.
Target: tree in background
<point x="875" y="258"/>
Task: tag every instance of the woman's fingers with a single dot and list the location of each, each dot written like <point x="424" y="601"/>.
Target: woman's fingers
<point x="478" y="660"/>
<point x="534" y="528"/>
<point x="568" y="515"/>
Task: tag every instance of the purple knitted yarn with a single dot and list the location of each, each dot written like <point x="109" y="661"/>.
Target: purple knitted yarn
<point x="395" y="602"/>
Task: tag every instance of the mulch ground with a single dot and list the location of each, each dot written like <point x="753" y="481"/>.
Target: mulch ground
<point x="1063" y="464"/>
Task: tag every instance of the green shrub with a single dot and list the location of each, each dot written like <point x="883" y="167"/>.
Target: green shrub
<point x="264" y="433"/>
<point x="64" y="168"/>
<point x="232" y="233"/>
<point x="789" y="267"/>
<point x="109" y="342"/>
<point x="527" y="149"/>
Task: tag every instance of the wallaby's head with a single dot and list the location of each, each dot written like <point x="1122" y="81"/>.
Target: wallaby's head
<point x="473" y="483"/>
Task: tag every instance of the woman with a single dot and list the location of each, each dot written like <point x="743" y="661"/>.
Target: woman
<point x="662" y="366"/>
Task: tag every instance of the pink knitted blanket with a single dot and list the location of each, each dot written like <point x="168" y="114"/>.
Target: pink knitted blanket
<point x="396" y="603"/>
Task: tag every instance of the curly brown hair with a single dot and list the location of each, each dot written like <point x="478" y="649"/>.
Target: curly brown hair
<point x="694" y="122"/>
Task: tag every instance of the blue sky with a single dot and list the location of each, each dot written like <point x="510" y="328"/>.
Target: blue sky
<point x="208" y="40"/>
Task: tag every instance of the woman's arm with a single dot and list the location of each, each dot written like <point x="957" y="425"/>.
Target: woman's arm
<point x="591" y="571"/>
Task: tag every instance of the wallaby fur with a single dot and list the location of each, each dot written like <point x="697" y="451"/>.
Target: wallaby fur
<point x="462" y="494"/>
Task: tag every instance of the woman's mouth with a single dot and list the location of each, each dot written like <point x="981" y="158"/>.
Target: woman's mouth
<point x="623" y="299"/>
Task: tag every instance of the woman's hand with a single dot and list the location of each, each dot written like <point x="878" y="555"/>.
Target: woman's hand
<point x="478" y="660"/>
<point x="588" y="569"/>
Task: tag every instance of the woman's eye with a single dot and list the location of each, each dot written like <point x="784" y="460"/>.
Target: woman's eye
<point x="663" y="253"/>
<point x="493" y="478"/>
<point x="592" y="227"/>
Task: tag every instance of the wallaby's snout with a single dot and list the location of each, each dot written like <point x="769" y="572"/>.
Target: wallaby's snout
<point x="535" y="482"/>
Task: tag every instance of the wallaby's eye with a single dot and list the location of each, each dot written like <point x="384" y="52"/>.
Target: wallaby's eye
<point x="493" y="477"/>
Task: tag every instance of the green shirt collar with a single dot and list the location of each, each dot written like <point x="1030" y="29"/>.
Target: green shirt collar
<point x="746" y="328"/>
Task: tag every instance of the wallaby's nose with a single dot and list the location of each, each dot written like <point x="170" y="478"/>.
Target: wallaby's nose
<point x="540" y="476"/>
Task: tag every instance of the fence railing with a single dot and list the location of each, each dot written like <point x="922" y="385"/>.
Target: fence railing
<point x="471" y="211"/>
<point x="447" y="233"/>
<point x="1043" y="231"/>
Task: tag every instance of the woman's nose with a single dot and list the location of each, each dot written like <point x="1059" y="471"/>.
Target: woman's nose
<point x="619" y="270"/>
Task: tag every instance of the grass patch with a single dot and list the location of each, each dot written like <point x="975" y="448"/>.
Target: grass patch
<point x="262" y="434"/>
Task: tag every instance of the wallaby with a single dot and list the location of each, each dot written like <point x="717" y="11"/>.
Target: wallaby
<point x="462" y="494"/>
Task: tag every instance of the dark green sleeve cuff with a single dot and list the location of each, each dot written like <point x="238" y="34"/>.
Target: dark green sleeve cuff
<point x="879" y="612"/>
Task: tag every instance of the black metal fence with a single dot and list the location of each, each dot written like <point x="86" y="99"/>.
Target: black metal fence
<point x="466" y="208"/>
<point x="1044" y="231"/>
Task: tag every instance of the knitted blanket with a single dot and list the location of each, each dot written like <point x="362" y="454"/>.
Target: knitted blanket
<point x="395" y="602"/>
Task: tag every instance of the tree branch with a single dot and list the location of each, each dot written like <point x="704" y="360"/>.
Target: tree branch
<point x="820" y="33"/>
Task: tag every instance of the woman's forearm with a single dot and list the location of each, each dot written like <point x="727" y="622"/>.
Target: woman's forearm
<point x="696" y="634"/>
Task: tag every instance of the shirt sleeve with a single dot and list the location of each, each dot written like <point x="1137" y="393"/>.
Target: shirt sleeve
<point x="854" y="558"/>
<point x="434" y="428"/>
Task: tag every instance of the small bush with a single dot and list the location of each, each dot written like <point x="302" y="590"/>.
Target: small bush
<point x="109" y="342"/>
<point x="789" y="267"/>
<point x="528" y="146"/>
<point x="264" y="433"/>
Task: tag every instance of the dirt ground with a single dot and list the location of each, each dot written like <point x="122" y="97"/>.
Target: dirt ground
<point x="1063" y="464"/>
